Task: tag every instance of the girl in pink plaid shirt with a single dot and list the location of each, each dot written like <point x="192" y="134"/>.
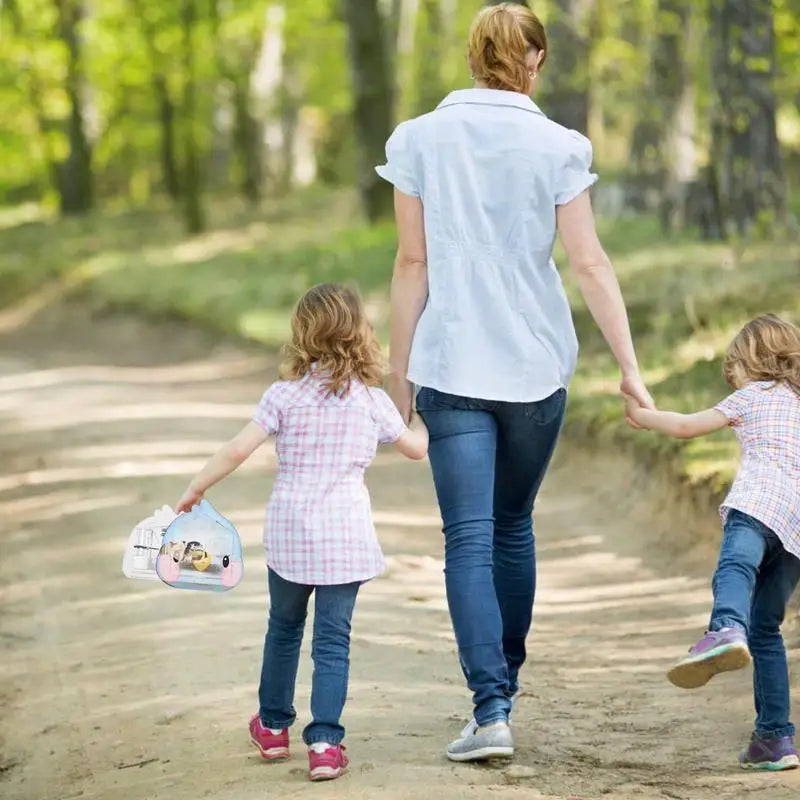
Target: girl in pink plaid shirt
<point x="329" y="415"/>
<point x="759" y="562"/>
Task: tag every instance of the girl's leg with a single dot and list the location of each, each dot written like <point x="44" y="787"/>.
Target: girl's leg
<point x="287" y="617"/>
<point x="333" y="613"/>
<point x="743" y="548"/>
<point x="776" y="582"/>
<point x="724" y="647"/>
<point x="462" y="452"/>
<point x="526" y="439"/>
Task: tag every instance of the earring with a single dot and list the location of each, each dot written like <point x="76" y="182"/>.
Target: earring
<point x="532" y="74"/>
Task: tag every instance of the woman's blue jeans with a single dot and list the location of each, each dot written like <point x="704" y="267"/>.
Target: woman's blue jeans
<point x="330" y="651"/>
<point x="754" y="581"/>
<point x="488" y="460"/>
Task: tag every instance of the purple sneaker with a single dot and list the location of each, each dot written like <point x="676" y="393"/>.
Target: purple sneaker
<point x="717" y="651"/>
<point x="770" y="754"/>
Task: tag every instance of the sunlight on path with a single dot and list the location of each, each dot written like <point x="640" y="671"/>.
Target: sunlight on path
<point x="115" y="689"/>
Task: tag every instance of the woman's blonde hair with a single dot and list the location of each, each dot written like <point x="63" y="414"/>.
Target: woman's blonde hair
<point x="766" y="349"/>
<point x="500" y="39"/>
<point x="332" y="335"/>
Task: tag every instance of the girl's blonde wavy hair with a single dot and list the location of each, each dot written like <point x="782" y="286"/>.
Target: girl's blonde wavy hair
<point x="332" y="335"/>
<point x="500" y="39"/>
<point x="766" y="349"/>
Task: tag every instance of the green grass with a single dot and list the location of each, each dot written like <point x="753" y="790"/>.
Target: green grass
<point x="686" y="298"/>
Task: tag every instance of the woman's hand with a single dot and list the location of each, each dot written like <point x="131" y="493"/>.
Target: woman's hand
<point x="633" y="386"/>
<point x="191" y="497"/>
<point x="401" y="390"/>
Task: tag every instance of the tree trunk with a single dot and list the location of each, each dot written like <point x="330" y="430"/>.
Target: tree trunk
<point x="565" y="78"/>
<point x="75" y="172"/>
<point x="290" y="105"/>
<point x="192" y="201"/>
<point x="247" y="140"/>
<point x="403" y="65"/>
<point x="745" y="149"/>
<point x="266" y="84"/>
<point x="372" y="90"/>
<point x="674" y="108"/>
<point x="429" y="70"/>
<point x="170" y="171"/>
<point x="169" y="158"/>
<point x="236" y="59"/>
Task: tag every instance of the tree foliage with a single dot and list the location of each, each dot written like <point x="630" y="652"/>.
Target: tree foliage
<point x="126" y="100"/>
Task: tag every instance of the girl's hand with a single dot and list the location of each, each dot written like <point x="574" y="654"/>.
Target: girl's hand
<point x="191" y="497"/>
<point x="414" y="441"/>
<point x="636" y="397"/>
<point x="633" y="412"/>
<point x="401" y="390"/>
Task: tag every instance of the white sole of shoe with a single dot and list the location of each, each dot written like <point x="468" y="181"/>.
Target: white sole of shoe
<point x="482" y="754"/>
<point x="271" y="753"/>
<point x="325" y="773"/>
<point x="787" y="762"/>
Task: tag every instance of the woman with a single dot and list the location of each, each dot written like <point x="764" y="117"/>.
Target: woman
<point x="481" y="324"/>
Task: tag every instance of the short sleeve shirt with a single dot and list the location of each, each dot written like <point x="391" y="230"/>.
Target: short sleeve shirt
<point x="319" y="529"/>
<point x="766" y="420"/>
<point x="490" y="169"/>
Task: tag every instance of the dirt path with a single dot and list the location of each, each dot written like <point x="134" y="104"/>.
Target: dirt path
<point x="115" y="689"/>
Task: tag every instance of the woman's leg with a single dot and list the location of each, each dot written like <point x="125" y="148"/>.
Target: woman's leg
<point x="462" y="453"/>
<point x="287" y="617"/>
<point x="775" y="584"/>
<point x="526" y="438"/>
<point x="333" y="614"/>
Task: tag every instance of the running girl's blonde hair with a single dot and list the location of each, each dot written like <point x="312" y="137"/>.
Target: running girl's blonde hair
<point x="331" y="333"/>
<point x="766" y="349"/>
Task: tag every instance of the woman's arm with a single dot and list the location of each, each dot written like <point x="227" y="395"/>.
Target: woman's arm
<point x="222" y="463"/>
<point x="413" y="443"/>
<point x="408" y="298"/>
<point x="600" y="289"/>
<point x="679" y="426"/>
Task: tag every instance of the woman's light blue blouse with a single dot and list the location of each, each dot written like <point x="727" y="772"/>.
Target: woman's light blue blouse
<point x="490" y="169"/>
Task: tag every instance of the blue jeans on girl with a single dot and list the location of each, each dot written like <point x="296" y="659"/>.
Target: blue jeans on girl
<point x="330" y="651"/>
<point x="488" y="460"/>
<point x="754" y="580"/>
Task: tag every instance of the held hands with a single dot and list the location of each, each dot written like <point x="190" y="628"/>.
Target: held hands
<point x="633" y="412"/>
<point x="636" y="398"/>
<point x="401" y="391"/>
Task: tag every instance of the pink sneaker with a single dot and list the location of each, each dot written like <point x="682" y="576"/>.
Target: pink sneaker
<point x="328" y="764"/>
<point x="272" y="746"/>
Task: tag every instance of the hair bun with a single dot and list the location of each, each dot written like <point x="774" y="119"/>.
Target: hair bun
<point x="500" y="39"/>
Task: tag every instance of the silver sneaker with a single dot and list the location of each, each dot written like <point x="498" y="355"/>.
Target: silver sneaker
<point x="490" y="741"/>
<point x="472" y="725"/>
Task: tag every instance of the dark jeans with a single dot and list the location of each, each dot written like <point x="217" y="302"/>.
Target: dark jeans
<point x="754" y="581"/>
<point x="488" y="460"/>
<point x="330" y="652"/>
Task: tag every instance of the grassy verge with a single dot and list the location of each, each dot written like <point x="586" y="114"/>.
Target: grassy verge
<point x="686" y="298"/>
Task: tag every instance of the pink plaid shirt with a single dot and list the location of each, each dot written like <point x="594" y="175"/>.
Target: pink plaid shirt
<point x="319" y="528"/>
<point x="766" y="420"/>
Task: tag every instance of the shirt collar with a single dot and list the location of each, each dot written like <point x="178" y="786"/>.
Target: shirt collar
<point x="490" y="97"/>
